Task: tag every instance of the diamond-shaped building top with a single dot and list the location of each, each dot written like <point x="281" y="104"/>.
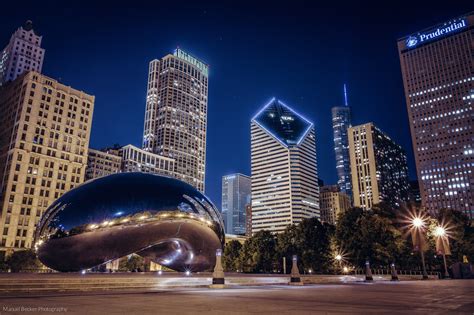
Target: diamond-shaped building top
<point x="283" y="123"/>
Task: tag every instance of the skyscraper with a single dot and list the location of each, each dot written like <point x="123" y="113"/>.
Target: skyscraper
<point x="284" y="169"/>
<point x="341" y="121"/>
<point x="332" y="203"/>
<point x="103" y="162"/>
<point x="378" y="167"/>
<point x="44" y="137"/>
<point x="438" y="76"/>
<point x="137" y="160"/>
<point x="127" y="158"/>
<point x="23" y="53"/>
<point x="236" y="189"/>
<point x="176" y="114"/>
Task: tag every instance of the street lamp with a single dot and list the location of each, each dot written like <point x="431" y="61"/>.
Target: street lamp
<point x="442" y="246"/>
<point x="417" y="230"/>
<point x="338" y="257"/>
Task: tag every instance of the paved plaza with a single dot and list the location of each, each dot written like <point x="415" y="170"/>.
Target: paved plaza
<point x="411" y="297"/>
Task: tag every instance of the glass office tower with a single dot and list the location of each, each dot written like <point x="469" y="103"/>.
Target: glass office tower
<point x="341" y="121"/>
<point x="236" y="189"/>
<point x="438" y="75"/>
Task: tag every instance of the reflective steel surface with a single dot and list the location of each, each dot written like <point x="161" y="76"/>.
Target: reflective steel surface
<point x="156" y="217"/>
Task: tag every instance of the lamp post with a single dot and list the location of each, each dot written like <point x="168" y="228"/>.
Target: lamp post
<point x="339" y="259"/>
<point x="442" y="246"/>
<point x="417" y="230"/>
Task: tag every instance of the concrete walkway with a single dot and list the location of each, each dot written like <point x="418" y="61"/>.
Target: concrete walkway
<point x="410" y="297"/>
<point x="58" y="282"/>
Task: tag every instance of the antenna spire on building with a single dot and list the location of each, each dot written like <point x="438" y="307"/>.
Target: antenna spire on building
<point x="345" y="96"/>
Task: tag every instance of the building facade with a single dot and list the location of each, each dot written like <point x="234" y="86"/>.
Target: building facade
<point x="44" y="137"/>
<point x="341" y="121"/>
<point x="236" y="190"/>
<point x="176" y="114"/>
<point x="284" y="168"/>
<point x="138" y="160"/>
<point x="248" y="219"/>
<point x="23" y="53"/>
<point x="438" y="76"/>
<point x="378" y="167"/>
<point x="333" y="202"/>
<point x="103" y="162"/>
<point x="125" y="159"/>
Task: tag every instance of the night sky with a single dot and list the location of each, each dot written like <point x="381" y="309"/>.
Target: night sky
<point x="299" y="52"/>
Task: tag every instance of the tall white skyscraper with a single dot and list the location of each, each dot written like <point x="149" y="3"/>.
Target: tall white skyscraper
<point x="284" y="169"/>
<point x="23" y="53"/>
<point x="176" y="114"/>
<point x="236" y="189"/>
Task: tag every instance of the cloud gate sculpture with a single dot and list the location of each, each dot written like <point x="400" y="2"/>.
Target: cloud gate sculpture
<point x="156" y="217"/>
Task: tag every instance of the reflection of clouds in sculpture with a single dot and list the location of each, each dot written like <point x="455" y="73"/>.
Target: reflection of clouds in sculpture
<point x="157" y="217"/>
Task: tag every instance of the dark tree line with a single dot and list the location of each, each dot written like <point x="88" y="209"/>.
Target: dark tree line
<point x="379" y="235"/>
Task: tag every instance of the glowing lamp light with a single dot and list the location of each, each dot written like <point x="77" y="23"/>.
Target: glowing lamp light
<point x="338" y="257"/>
<point x="83" y="272"/>
<point x="188" y="273"/>
<point x="345" y="269"/>
<point x="439" y="231"/>
<point x="160" y="272"/>
<point x="143" y="217"/>
<point x="417" y="222"/>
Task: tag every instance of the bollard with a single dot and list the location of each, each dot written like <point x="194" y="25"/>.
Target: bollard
<point x="295" y="273"/>
<point x="218" y="280"/>
<point x="394" y="272"/>
<point x="368" y="272"/>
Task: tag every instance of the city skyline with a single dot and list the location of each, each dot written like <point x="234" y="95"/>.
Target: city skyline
<point x="225" y="95"/>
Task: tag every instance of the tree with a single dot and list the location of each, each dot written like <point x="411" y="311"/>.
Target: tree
<point x="231" y="255"/>
<point x="23" y="260"/>
<point x="258" y="253"/>
<point x="369" y="234"/>
<point x="132" y="263"/>
<point x="315" y="242"/>
<point x="288" y="244"/>
<point x="461" y="232"/>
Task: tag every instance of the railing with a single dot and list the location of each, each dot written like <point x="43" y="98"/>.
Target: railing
<point x="377" y="272"/>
